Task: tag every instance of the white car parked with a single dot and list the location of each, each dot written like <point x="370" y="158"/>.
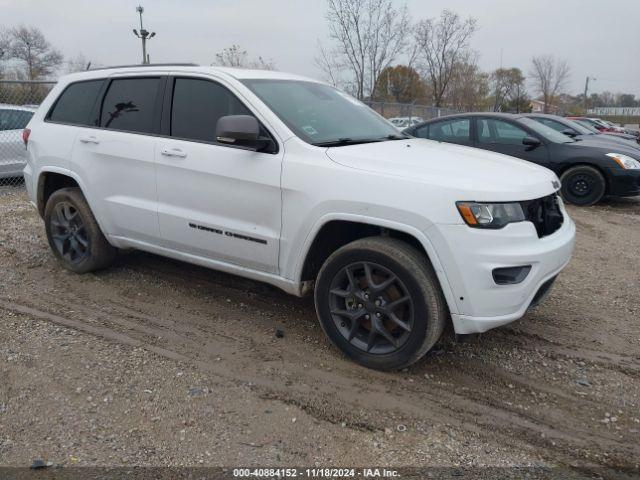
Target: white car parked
<point x="289" y="181"/>
<point x="13" y="156"/>
<point x="404" y="122"/>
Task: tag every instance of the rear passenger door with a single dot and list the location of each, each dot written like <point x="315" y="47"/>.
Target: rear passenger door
<point x="114" y="156"/>
<point x="506" y="137"/>
<point x="215" y="200"/>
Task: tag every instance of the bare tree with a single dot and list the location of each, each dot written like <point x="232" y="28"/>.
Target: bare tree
<point x="368" y="35"/>
<point x="468" y="88"/>
<point x="4" y="49"/>
<point x="28" y="45"/>
<point x="441" y="42"/>
<point x="329" y="65"/>
<point x="550" y="77"/>
<point x="78" y="64"/>
<point x="236" y="56"/>
<point x="5" y="43"/>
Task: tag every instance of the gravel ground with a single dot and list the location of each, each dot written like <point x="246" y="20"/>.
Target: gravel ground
<point x="159" y="363"/>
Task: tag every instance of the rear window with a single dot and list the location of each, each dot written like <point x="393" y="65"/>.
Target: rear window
<point x="129" y="105"/>
<point x="76" y="103"/>
<point x="14" y="119"/>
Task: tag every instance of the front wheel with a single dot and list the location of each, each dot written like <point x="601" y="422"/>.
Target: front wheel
<point x="379" y="301"/>
<point x="583" y="185"/>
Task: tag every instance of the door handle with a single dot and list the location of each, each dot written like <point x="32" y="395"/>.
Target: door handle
<point x="90" y="139"/>
<point x="173" y="152"/>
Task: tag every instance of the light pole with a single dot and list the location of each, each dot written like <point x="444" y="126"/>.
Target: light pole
<point x="143" y="35"/>
<point x="586" y="90"/>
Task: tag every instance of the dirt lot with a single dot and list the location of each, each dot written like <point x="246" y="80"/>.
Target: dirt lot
<point x="156" y="362"/>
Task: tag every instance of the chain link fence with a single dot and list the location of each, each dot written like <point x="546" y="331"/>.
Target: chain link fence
<point x="404" y="114"/>
<point x="18" y="102"/>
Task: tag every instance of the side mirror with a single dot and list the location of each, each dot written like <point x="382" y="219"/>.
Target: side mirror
<point x="531" y="142"/>
<point x="570" y="133"/>
<point x="240" y="130"/>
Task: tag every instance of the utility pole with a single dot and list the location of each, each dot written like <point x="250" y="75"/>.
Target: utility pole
<point x="586" y="90"/>
<point x="144" y="35"/>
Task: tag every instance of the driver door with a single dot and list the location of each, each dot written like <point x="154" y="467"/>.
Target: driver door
<point x="214" y="200"/>
<point x="505" y="137"/>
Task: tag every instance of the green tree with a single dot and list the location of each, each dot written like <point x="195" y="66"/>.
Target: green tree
<point x="401" y="84"/>
<point x="508" y="90"/>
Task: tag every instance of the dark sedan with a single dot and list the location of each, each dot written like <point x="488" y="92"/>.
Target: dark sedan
<point x="588" y="170"/>
<point x="578" y="131"/>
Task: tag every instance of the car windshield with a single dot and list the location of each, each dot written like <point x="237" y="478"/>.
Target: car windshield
<point x="546" y="132"/>
<point x="322" y="115"/>
<point x="581" y="129"/>
<point x="586" y="124"/>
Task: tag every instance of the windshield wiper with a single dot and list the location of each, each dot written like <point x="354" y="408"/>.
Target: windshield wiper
<point x="341" y="142"/>
<point x="394" y="136"/>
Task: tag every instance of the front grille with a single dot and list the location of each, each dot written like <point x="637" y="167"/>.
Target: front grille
<point x="544" y="213"/>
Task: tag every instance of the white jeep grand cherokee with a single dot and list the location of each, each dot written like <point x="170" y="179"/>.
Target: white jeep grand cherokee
<point x="289" y="181"/>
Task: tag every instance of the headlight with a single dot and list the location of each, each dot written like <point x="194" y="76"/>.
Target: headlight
<point x="625" y="161"/>
<point x="490" y="215"/>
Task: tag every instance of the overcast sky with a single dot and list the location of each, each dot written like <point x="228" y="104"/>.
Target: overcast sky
<point x="599" y="38"/>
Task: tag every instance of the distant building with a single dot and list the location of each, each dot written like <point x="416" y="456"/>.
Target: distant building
<point x="537" y="106"/>
<point x="615" y="111"/>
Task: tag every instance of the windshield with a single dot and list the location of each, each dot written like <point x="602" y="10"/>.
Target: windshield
<point x="547" y="132"/>
<point x="320" y="114"/>
<point x="586" y="124"/>
<point x="578" y="127"/>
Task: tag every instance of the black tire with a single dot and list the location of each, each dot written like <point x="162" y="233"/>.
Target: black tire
<point x="425" y="313"/>
<point x="583" y="185"/>
<point x="73" y="233"/>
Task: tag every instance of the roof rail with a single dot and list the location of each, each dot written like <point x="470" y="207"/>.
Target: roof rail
<point x="147" y="65"/>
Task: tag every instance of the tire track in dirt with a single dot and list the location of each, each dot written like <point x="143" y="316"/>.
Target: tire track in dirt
<point x="482" y="412"/>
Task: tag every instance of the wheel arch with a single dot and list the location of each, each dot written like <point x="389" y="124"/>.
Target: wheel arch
<point x="51" y="179"/>
<point x="334" y="231"/>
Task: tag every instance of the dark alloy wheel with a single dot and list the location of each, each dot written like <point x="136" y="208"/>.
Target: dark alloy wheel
<point x="69" y="233"/>
<point x="583" y="185"/>
<point x="73" y="233"/>
<point x="379" y="301"/>
<point x="371" y="307"/>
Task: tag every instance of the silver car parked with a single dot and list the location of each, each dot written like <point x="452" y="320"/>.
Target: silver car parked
<point x="13" y="119"/>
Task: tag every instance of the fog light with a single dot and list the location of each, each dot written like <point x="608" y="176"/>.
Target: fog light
<point x="511" y="275"/>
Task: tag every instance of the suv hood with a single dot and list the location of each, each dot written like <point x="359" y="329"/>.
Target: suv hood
<point x="475" y="174"/>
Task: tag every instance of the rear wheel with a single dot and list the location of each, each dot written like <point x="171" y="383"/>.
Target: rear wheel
<point x="73" y="233"/>
<point x="583" y="185"/>
<point x="379" y="301"/>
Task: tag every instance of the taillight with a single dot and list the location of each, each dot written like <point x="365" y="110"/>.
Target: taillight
<point x="25" y="135"/>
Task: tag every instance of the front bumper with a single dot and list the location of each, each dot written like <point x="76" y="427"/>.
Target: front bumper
<point x="624" y="183"/>
<point x="469" y="257"/>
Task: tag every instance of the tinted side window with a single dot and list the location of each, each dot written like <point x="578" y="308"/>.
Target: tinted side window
<point x="499" y="132"/>
<point x="14" y="119"/>
<point x="451" y="131"/>
<point x="557" y="126"/>
<point x="197" y="106"/>
<point x="130" y="105"/>
<point x="76" y="103"/>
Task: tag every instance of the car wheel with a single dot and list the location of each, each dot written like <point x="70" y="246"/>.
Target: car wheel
<point x="583" y="185"/>
<point x="379" y="301"/>
<point x="73" y="233"/>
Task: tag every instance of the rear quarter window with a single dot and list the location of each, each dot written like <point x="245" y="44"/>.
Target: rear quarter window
<point x="129" y="105"/>
<point x="76" y="103"/>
